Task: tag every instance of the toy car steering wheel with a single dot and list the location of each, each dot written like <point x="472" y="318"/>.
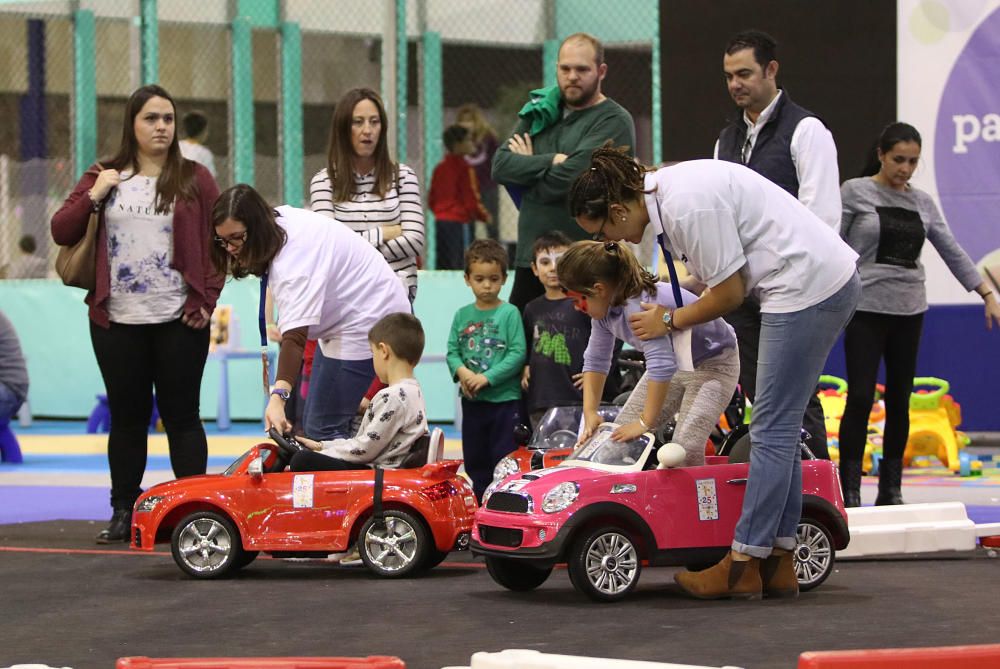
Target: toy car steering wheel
<point x="561" y="439"/>
<point x="289" y="446"/>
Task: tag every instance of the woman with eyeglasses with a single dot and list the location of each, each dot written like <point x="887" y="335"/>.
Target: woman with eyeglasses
<point x="156" y="290"/>
<point x="739" y="234"/>
<point x="327" y="283"/>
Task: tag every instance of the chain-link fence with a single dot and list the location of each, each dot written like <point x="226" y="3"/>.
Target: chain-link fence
<point x="266" y="75"/>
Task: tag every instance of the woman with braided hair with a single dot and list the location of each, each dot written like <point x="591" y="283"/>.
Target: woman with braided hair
<point x="738" y="234"/>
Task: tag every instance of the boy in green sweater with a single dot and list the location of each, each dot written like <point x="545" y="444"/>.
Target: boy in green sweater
<point x="486" y="352"/>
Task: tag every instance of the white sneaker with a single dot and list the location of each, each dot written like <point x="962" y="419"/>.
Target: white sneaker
<point x="352" y="559"/>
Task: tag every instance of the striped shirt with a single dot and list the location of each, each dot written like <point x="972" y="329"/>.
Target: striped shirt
<point x="365" y="213"/>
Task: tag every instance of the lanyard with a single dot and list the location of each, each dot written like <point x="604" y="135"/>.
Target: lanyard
<point x="661" y="239"/>
<point x="262" y="325"/>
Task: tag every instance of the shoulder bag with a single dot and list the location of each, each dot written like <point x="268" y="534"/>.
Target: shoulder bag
<point x="76" y="264"/>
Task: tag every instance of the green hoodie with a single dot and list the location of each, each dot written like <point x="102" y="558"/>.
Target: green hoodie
<point x="545" y="186"/>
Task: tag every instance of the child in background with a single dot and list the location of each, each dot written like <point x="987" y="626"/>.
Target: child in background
<point x="485" y="355"/>
<point x="609" y="284"/>
<point x="396" y="416"/>
<point x="556" y="334"/>
<point x="454" y="199"/>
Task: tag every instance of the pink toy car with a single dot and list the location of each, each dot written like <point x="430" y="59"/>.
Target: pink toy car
<point x="607" y="509"/>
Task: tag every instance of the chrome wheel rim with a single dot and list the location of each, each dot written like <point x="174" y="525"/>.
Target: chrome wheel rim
<point x="612" y="563"/>
<point x="392" y="544"/>
<point x="813" y="553"/>
<point x="205" y="545"/>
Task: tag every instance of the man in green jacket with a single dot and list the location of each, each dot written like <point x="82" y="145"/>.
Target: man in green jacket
<point x="551" y="147"/>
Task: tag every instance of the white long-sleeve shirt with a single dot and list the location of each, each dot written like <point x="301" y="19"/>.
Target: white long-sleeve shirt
<point x="814" y="154"/>
<point x="395" y="419"/>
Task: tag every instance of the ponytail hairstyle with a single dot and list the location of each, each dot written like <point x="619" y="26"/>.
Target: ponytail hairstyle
<point x="613" y="177"/>
<point x="610" y="263"/>
<point x="891" y="135"/>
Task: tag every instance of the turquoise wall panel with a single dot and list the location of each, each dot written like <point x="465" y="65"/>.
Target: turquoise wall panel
<point x="51" y="321"/>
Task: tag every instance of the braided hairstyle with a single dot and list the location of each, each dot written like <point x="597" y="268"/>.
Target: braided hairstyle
<point x="614" y="177"/>
<point x="610" y="263"/>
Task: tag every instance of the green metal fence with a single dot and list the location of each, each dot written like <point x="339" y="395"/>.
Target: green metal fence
<point x="268" y="73"/>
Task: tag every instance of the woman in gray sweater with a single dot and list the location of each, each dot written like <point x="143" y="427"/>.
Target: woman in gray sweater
<point x="886" y="221"/>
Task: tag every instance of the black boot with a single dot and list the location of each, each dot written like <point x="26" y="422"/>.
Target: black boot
<point x="119" y="529"/>
<point x="850" y="482"/>
<point x="890" y="481"/>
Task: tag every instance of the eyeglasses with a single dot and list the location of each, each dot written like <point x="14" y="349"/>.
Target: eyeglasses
<point x="236" y="241"/>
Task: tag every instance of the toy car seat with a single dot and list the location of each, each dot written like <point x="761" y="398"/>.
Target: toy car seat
<point x="417" y="457"/>
<point x="436" y="452"/>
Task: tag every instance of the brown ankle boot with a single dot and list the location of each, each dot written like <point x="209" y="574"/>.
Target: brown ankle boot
<point x="777" y="574"/>
<point x="738" y="579"/>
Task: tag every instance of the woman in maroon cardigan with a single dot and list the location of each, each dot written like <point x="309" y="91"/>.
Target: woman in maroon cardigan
<point x="156" y="289"/>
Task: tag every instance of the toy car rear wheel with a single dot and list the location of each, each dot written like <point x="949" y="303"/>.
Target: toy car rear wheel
<point x="207" y="544"/>
<point x="516" y="575"/>
<point x="604" y="564"/>
<point x="396" y="545"/>
<point x="814" y="553"/>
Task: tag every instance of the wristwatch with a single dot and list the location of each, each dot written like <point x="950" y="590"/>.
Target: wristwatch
<point x="282" y="393"/>
<point x="668" y="320"/>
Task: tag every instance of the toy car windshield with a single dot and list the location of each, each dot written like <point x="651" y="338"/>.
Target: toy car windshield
<point x="601" y="450"/>
<point x="559" y="427"/>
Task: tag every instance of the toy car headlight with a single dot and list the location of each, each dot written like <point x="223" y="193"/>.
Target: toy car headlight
<point x="560" y="497"/>
<point x="490" y="490"/>
<point x="149" y="503"/>
<point x="505" y="468"/>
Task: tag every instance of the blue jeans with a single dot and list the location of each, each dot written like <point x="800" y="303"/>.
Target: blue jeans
<point x="335" y="391"/>
<point x="9" y="404"/>
<point x="793" y="351"/>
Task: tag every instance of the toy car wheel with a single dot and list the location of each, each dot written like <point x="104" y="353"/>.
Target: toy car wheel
<point x="206" y="544"/>
<point x="395" y="545"/>
<point x="814" y="553"/>
<point x="605" y="564"/>
<point x="516" y="575"/>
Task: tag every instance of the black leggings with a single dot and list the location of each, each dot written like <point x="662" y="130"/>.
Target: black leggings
<point x="135" y="359"/>
<point x="869" y="338"/>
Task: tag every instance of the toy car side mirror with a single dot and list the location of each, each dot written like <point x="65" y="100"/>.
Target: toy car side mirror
<point x="522" y="434"/>
<point x="670" y="455"/>
<point x="255" y="468"/>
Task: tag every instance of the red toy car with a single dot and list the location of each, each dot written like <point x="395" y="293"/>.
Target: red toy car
<point x="404" y="520"/>
<point x="607" y="508"/>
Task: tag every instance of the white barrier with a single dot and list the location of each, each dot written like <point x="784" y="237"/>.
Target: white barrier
<point x="913" y="528"/>
<point x="533" y="659"/>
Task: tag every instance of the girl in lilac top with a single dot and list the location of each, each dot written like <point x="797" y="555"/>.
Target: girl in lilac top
<point x="609" y="285"/>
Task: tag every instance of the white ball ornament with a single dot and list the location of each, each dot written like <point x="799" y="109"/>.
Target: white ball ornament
<point x="670" y="455"/>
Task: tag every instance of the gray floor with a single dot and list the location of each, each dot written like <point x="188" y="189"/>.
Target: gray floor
<point x="85" y="609"/>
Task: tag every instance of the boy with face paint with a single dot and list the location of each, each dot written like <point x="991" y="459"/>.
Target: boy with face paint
<point x="556" y="333"/>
